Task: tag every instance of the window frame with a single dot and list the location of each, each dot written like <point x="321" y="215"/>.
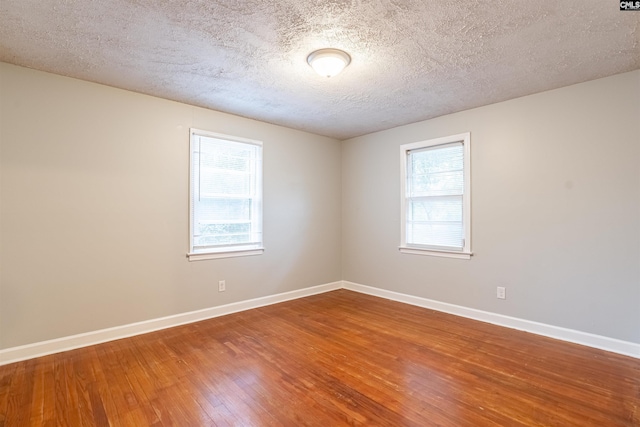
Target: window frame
<point x="231" y="250"/>
<point x="465" y="252"/>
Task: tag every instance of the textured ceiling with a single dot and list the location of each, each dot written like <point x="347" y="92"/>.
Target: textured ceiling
<point x="411" y="59"/>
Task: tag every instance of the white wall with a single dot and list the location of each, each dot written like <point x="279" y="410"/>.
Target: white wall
<point x="94" y="200"/>
<point x="94" y="209"/>
<point x="555" y="209"/>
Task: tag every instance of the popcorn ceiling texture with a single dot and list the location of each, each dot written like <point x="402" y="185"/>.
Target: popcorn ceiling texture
<point x="411" y="60"/>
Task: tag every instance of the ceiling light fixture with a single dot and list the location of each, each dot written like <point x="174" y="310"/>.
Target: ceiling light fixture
<point x="328" y="62"/>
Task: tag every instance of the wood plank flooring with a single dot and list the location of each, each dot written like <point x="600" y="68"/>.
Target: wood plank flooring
<point x="336" y="359"/>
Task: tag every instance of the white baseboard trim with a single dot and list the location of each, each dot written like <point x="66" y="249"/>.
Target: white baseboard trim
<point x="30" y="351"/>
<point x="44" y="348"/>
<point x="578" y="337"/>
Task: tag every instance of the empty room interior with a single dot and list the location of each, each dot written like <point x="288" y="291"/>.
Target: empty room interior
<point x="321" y="213"/>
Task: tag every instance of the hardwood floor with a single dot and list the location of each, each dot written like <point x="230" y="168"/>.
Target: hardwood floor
<point x="335" y="359"/>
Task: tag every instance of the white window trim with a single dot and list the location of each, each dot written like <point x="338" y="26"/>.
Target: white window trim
<point x="465" y="253"/>
<point x="200" y="256"/>
<point x="225" y="251"/>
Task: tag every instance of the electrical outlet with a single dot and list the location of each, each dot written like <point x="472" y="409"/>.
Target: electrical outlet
<point x="222" y="286"/>
<point x="502" y="292"/>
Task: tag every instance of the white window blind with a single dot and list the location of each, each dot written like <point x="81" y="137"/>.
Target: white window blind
<point x="226" y="193"/>
<point x="436" y="200"/>
<point x="435" y="186"/>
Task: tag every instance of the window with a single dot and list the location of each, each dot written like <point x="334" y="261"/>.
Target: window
<point x="436" y="199"/>
<point x="225" y="196"/>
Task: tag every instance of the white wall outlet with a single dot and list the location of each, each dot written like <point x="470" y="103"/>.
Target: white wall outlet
<point x="222" y="286"/>
<point x="502" y="292"/>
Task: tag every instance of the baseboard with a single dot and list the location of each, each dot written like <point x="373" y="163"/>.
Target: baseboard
<point x="578" y="337"/>
<point x="30" y="351"/>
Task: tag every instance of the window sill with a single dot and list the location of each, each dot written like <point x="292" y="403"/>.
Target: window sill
<point x="199" y="256"/>
<point x="432" y="252"/>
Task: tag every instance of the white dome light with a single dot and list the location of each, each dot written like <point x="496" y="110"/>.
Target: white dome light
<point x="328" y="62"/>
